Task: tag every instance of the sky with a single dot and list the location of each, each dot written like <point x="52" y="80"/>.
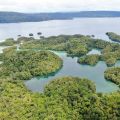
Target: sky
<point x="58" y="5"/>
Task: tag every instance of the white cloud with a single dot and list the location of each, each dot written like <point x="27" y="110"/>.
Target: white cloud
<point x="58" y="5"/>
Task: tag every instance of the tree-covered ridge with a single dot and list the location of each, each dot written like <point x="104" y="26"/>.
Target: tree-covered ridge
<point x="15" y="17"/>
<point x="26" y="64"/>
<point x="89" y="59"/>
<point x="113" y="36"/>
<point x="82" y="100"/>
<point x="57" y="86"/>
<point x="66" y="98"/>
<point x="113" y="74"/>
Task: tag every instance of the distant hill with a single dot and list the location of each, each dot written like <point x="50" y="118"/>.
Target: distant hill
<point x="14" y="17"/>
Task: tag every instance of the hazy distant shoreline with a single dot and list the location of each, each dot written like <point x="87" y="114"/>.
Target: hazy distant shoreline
<point x="16" y="17"/>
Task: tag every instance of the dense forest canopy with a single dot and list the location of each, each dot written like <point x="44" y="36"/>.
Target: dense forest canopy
<point x="65" y="98"/>
<point x="113" y="74"/>
<point x="27" y="64"/>
<point x="89" y="59"/>
<point x="77" y="46"/>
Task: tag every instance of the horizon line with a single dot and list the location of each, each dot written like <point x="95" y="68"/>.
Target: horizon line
<point x="63" y="11"/>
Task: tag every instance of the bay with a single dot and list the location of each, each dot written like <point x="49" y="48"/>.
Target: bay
<point x="86" y="26"/>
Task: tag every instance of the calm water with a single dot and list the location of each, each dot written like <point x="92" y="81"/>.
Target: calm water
<point x="72" y="68"/>
<point x="88" y="26"/>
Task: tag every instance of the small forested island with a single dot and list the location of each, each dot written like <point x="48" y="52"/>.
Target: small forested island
<point x="24" y="65"/>
<point x="64" y="98"/>
<point x="113" y="36"/>
<point x="89" y="59"/>
<point x="113" y="74"/>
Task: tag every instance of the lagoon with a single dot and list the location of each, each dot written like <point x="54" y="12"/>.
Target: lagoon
<point x="72" y="68"/>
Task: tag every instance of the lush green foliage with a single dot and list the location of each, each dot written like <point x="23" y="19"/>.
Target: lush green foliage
<point x="16" y="102"/>
<point x="11" y="41"/>
<point x="73" y="45"/>
<point x="26" y="64"/>
<point x="64" y="98"/>
<point x="89" y="59"/>
<point x="110" y="54"/>
<point x="113" y="74"/>
<point x="8" y="42"/>
<point x="24" y="39"/>
<point x="77" y="45"/>
<point x="113" y="36"/>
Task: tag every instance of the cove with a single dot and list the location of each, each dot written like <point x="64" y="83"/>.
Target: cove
<point x="72" y="68"/>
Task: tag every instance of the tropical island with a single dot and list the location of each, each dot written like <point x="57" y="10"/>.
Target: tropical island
<point x="89" y="59"/>
<point x="113" y="74"/>
<point x="63" y="98"/>
<point x="113" y="36"/>
<point x="24" y="65"/>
